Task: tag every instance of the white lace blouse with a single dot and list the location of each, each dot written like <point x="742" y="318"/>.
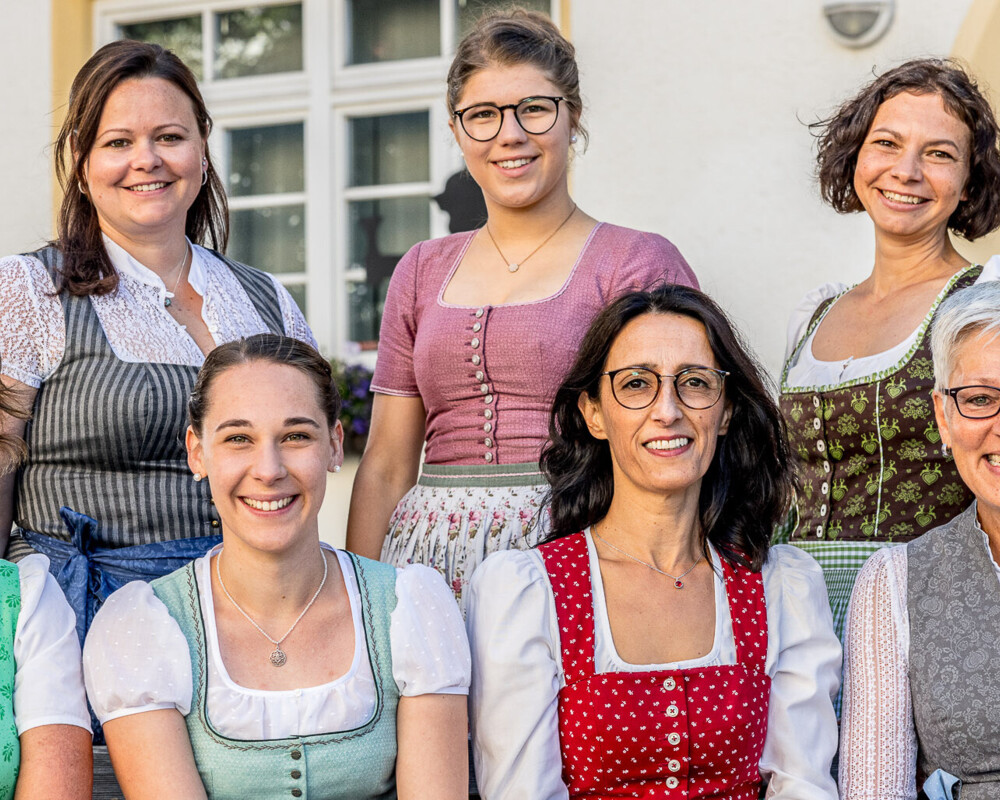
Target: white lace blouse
<point x="137" y="659"/>
<point x="517" y="662"/>
<point x="137" y="325"/>
<point x="807" y="370"/>
<point x="878" y="741"/>
<point x="48" y="681"/>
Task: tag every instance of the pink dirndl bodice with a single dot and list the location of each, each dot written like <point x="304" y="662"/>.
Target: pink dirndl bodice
<point x="685" y="733"/>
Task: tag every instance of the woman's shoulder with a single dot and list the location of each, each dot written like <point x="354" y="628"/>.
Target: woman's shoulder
<point x="509" y="572"/>
<point x="791" y="572"/>
<point x="805" y="309"/>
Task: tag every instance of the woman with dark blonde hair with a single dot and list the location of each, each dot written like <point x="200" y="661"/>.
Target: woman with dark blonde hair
<point x="917" y="151"/>
<point x="103" y="331"/>
<point x="479" y="327"/>
<point x="362" y="697"/>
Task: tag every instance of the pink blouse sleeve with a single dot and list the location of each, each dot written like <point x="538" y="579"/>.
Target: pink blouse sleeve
<point x="647" y="261"/>
<point x="394" y="369"/>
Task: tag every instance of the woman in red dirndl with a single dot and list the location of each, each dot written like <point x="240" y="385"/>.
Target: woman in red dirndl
<point x="656" y="646"/>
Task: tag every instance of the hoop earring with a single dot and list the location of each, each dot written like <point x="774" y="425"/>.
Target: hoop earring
<point x="82" y="190"/>
<point x="944" y="450"/>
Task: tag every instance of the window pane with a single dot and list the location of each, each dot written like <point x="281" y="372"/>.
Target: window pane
<point x="180" y="34"/>
<point x="298" y="293"/>
<point x="258" y="41"/>
<point x="394" y="148"/>
<point x="272" y="239"/>
<point x="468" y="11"/>
<point x="266" y="160"/>
<point x="390" y="30"/>
<point x="381" y="232"/>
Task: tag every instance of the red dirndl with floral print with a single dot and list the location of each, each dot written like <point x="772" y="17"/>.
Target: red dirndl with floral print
<point x="662" y="734"/>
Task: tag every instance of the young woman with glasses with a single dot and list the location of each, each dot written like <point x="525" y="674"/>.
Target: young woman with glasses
<point x="655" y="645"/>
<point x="470" y="318"/>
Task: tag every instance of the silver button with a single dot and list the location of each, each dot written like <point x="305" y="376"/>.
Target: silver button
<point x="474" y="342"/>
<point x="825" y="488"/>
<point x="479" y="312"/>
<point x="815" y="401"/>
<point x="826" y="466"/>
<point x="477" y="327"/>
<point x="483" y="388"/>
<point x="670" y="684"/>
<point x="822" y="510"/>
<point x="488" y="399"/>
<point x="488" y="427"/>
<point x="817" y="423"/>
<point x="480" y="375"/>
<point x="819" y="531"/>
<point x="488" y="441"/>
<point x="488" y="413"/>
<point x="488" y="456"/>
<point x="672" y="782"/>
<point x="672" y="710"/>
<point x="821" y="445"/>
<point x="476" y="359"/>
<point x="674" y="765"/>
<point x="674" y="738"/>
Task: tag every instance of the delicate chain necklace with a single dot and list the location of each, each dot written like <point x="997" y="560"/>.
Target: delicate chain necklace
<point x="678" y="583"/>
<point x="278" y="657"/>
<point x="513" y="266"/>
<point x="167" y="302"/>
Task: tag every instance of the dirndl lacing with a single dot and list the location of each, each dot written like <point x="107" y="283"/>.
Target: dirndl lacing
<point x="457" y="515"/>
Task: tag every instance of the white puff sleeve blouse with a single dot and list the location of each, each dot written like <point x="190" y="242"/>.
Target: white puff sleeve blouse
<point x="136" y="323"/>
<point x="137" y="659"/>
<point x="516" y="657"/>
<point x="48" y="680"/>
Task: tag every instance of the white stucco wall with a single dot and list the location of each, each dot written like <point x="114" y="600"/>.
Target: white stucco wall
<point x="697" y="115"/>
<point x="25" y="106"/>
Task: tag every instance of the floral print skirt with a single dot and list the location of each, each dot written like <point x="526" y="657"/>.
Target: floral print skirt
<point x="457" y="515"/>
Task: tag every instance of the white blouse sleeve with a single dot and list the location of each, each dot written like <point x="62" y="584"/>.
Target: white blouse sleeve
<point x="136" y="658"/>
<point x="32" y="329"/>
<point x="48" y="681"/>
<point x="991" y="270"/>
<point x="804" y="665"/>
<point x="878" y="750"/>
<point x="798" y="322"/>
<point x="430" y="652"/>
<point x="291" y="316"/>
<point x="517" y="674"/>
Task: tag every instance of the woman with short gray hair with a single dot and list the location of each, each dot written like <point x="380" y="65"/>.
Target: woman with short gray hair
<point x="922" y="666"/>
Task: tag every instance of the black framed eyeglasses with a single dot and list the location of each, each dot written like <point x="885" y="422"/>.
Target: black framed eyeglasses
<point x="975" y="402"/>
<point x="637" y="387"/>
<point x="483" y="121"/>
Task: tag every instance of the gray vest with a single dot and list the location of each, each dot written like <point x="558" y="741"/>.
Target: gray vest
<point x="953" y="601"/>
<point x="106" y="436"/>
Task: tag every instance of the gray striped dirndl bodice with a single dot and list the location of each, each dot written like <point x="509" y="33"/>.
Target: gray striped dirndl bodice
<point x="106" y="436"/>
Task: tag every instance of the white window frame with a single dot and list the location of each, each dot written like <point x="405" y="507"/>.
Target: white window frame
<point x="323" y="96"/>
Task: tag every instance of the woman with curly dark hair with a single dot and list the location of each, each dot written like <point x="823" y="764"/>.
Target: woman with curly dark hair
<point x="916" y="149"/>
<point x="656" y="639"/>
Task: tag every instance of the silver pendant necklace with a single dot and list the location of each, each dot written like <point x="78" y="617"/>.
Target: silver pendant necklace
<point x="678" y="583"/>
<point x="277" y="657"/>
<point x="513" y="266"/>
<point x="167" y="302"/>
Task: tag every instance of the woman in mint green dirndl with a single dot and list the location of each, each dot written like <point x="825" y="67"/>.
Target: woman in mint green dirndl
<point x="275" y="666"/>
<point x="43" y="707"/>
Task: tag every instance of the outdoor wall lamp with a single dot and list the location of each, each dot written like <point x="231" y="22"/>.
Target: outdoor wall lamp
<point x="858" y="23"/>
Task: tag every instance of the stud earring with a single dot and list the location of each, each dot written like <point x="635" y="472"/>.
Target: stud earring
<point x="336" y="467"/>
<point x="573" y="139"/>
<point x="197" y="477"/>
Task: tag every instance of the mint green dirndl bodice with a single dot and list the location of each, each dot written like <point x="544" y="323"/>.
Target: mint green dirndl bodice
<point x="356" y="764"/>
<point x="10" y="746"/>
